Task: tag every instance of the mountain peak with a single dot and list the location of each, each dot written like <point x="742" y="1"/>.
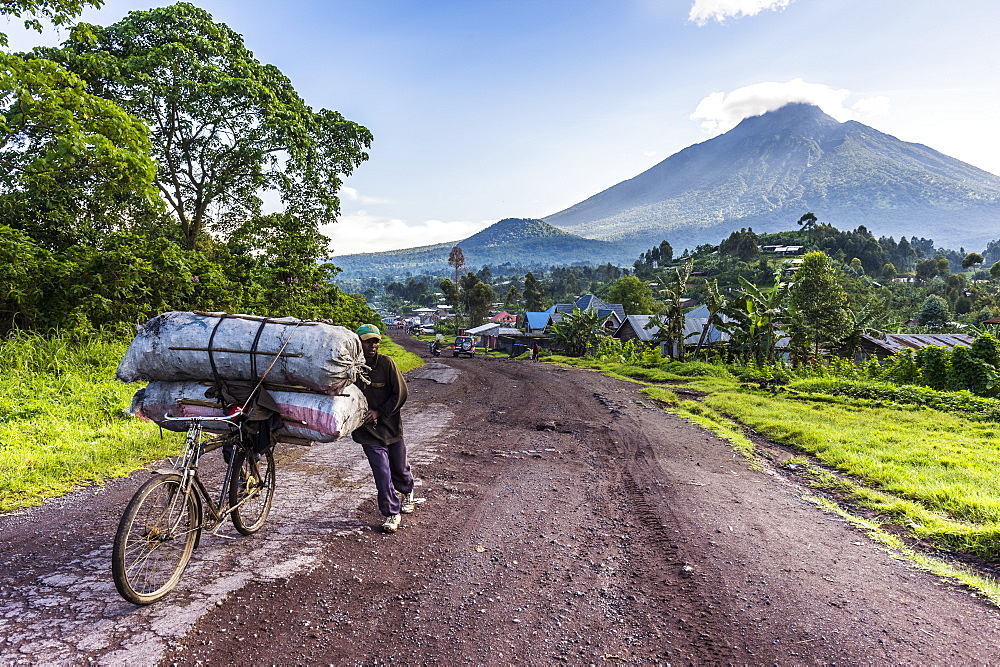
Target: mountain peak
<point x="770" y="169"/>
<point x="511" y="230"/>
<point x="800" y="116"/>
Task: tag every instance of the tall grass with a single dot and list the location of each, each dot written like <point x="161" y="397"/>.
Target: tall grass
<point x="62" y="419"/>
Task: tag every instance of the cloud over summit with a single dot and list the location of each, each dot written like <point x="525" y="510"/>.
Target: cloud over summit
<point x="720" y="112"/>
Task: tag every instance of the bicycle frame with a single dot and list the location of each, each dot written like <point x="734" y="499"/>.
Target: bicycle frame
<point x="191" y="460"/>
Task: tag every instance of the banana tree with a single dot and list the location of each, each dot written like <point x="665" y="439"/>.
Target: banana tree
<point x="579" y="331"/>
<point x="756" y="314"/>
<point x="716" y="303"/>
<point x="670" y="328"/>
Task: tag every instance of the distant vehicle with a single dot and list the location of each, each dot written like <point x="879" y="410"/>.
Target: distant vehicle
<point x="464" y="345"/>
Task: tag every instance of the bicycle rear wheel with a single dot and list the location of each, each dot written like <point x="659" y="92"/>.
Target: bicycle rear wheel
<point x="253" y="486"/>
<point x="155" y="539"/>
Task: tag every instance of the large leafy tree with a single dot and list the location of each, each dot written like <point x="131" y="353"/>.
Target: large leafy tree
<point x="633" y="294"/>
<point x="533" y="301"/>
<point x="224" y="127"/>
<point x="476" y="298"/>
<point x="33" y="12"/>
<point x="73" y="166"/>
<point x="934" y="312"/>
<point x="819" y="305"/>
<point x="67" y="158"/>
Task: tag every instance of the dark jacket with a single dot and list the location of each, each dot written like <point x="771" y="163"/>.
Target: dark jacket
<point x="386" y="395"/>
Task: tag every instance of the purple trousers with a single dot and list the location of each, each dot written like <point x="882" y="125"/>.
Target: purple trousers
<point x="392" y="474"/>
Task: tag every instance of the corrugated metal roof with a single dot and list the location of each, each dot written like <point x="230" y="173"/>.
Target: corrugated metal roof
<point x="482" y="328"/>
<point x="897" y="342"/>
<point x="637" y="323"/>
<point x="693" y="326"/>
<point x="537" y="321"/>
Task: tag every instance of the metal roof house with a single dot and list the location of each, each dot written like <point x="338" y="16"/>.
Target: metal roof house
<point x="504" y="317"/>
<point x="536" y="322"/>
<point x="613" y="314"/>
<point x="634" y="328"/>
<point x="896" y="343"/>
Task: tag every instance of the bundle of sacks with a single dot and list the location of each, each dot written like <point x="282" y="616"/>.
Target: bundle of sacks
<point x="189" y="359"/>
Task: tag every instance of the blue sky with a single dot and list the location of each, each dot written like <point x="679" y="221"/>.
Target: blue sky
<point x="489" y="109"/>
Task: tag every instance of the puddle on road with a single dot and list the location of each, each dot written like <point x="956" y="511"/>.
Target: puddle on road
<point x="75" y="613"/>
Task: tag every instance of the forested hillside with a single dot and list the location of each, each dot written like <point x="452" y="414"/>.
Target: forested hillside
<point x="530" y="244"/>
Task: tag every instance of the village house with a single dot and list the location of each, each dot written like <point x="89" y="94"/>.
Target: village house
<point x="882" y="348"/>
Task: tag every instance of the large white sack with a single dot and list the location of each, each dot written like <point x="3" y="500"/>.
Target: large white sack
<point x="316" y="417"/>
<point x="322" y="357"/>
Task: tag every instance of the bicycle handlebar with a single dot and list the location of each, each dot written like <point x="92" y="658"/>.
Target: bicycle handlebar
<point x="228" y="419"/>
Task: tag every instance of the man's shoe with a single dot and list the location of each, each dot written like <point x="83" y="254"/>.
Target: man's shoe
<point x="406" y="501"/>
<point x="391" y="523"/>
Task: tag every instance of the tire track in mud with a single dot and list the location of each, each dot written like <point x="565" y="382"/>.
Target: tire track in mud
<point x="58" y="603"/>
<point x="671" y="609"/>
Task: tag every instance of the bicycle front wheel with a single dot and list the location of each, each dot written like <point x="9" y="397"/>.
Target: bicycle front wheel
<point x="155" y="538"/>
<point x="251" y="489"/>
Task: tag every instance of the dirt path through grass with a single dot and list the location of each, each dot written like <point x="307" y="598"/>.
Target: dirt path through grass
<point x="566" y="519"/>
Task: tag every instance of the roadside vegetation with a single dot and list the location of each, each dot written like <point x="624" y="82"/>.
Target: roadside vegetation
<point x="62" y="418"/>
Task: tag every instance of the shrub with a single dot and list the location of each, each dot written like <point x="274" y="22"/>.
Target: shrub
<point x="967" y="371"/>
<point x="933" y="363"/>
<point x="987" y="349"/>
<point x="901" y="368"/>
<point x="964" y="402"/>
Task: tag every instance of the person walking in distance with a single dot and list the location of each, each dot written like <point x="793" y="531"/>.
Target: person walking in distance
<point x="381" y="434"/>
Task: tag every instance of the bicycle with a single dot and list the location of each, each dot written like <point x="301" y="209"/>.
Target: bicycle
<point x="162" y="525"/>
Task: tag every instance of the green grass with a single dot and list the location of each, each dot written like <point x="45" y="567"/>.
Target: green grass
<point x="404" y="360"/>
<point x="62" y="419"/>
<point x="930" y="470"/>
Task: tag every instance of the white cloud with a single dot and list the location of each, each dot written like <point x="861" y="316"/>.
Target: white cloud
<point x="352" y="194"/>
<point x="720" y="112"/>
<point x="361" y="232"/>
<point x="703" y="11"/>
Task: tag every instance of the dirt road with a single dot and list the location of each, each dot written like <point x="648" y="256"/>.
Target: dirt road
<point x="565" y="519"/>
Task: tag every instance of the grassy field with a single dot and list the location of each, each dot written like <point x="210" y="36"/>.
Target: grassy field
<point x="62" y="417"/>
<point x="63" y="421"/>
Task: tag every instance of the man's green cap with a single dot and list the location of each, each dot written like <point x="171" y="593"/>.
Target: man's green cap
<point x="366" y="331"/>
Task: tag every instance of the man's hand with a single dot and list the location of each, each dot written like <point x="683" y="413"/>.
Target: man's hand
<point x="371" y="416"/>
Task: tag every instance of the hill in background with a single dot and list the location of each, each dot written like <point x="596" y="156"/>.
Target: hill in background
<point x="764" y="173"/>
<point x="770" y="169"/>
<point x="517" y="241"/>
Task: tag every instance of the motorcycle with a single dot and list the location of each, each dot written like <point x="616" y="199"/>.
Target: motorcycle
<point x="435" y="349"/>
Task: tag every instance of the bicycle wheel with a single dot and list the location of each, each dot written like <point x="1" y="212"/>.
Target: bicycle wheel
<point x="155" y="538"/>
<point x="252" y="485"/>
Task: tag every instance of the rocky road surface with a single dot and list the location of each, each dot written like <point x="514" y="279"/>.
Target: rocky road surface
<point x="565" y="518"/>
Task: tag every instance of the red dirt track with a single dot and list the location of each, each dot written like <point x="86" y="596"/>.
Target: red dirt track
<point x="565" y="519"/>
